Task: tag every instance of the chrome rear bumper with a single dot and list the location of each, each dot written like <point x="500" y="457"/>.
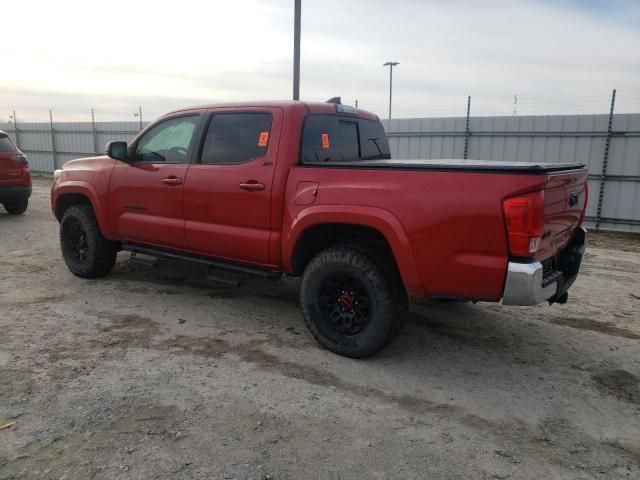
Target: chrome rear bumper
<point x="524" y="285"/>
<point x="529" y="284"/>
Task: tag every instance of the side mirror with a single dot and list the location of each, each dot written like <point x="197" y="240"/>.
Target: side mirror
<point x="117" y="150"/>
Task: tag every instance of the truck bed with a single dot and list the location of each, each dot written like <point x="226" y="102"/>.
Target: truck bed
<point x="487" y="166"/>
<point x="451" y="212"/>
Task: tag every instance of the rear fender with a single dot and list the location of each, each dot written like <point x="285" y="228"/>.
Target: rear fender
<point x="377" y="218"/>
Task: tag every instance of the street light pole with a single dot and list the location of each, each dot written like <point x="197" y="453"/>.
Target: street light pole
<point x="296" y="49"/>
<point x="390" y="65"/>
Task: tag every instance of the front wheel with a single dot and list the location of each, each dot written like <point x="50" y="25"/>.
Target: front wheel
<point x="349" y="304"/>
<point x="16" y="208"/>
<point x="87" y="253"/>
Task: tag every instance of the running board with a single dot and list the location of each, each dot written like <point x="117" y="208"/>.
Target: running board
<point x="227" y="277"/>
<point x="242" y="270"/>
<point x="143" y="261"/>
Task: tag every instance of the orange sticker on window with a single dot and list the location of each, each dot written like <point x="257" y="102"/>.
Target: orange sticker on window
<point x="264" y="139"/>
<point x="325" y="140"/>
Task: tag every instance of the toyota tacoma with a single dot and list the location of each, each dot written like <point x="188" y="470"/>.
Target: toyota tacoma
<point x="309" y="189"/>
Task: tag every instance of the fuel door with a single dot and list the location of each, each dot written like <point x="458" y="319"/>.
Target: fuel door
<point x="306" y="193"/>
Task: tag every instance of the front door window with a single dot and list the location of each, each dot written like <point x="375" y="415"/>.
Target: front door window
<point x="167" y="142"/>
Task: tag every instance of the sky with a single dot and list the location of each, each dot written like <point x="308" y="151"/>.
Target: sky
<point x="114" y="56"/>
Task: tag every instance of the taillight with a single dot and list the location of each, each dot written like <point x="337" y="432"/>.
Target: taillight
<point x="586" y="199"/>
<point x="21" y="159"/>
<point x="524" y="216"/>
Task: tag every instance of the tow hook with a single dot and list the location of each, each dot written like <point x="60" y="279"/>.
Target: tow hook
<point x="562" y="299"/>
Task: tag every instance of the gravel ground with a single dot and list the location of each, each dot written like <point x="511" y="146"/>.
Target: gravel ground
<point x="155" y="373"/>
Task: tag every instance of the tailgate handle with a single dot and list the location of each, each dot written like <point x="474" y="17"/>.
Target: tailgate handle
<point x="252" y="186"/>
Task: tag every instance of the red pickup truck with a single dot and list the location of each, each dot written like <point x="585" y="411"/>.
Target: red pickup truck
<point x="309" y="189"/>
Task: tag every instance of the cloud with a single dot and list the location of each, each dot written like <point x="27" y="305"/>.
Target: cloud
<point x="557" y="56"/>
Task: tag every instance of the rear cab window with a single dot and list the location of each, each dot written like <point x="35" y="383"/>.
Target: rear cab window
<point x="6" y="145"/>
<point x="338" y="138"/>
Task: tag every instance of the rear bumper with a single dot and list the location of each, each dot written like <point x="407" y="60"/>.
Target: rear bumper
<point x="533" y="283"/>
<point x="14" y="193"/>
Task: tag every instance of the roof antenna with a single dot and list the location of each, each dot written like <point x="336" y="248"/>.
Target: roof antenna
<point x="336" y="100"/>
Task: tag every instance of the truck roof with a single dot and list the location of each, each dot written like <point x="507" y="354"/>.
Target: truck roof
<point x="310" y="107"/>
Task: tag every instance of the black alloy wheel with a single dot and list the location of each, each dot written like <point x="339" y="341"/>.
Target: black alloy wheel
<point x="344" y="300"/>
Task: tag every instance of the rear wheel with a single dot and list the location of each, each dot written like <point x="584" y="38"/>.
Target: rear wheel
<point x="348" y="302"/>
<point x="87" y="253"/>
<point x="16" y="208"/>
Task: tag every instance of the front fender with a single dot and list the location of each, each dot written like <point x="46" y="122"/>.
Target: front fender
<point x="377" y="218"/>
<point x="81" y="187"/>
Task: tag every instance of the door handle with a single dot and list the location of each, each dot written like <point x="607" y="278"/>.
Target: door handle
<point x="252" y="186"/>
<point x="172" y="181"/>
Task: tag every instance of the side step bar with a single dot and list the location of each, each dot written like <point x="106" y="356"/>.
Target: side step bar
<point x="227" y="277"/>
<point x="242" y="270"/>
<point x="145" y="262"/>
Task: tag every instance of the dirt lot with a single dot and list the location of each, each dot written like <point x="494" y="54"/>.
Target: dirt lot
<point x="151" y="374"/>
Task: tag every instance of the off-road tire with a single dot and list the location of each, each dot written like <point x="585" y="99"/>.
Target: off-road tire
<point x="385" y="309"/>
<point x="100" y="254"/>
<point x="16" y="208"/>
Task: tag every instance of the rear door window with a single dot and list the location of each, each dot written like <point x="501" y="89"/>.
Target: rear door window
<point x="334" y="138"/>
<point x="6" y="145"/>
<point x="236" y="138"/>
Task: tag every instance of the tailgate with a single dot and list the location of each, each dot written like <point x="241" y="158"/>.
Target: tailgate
<point x="565" y="198"/>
